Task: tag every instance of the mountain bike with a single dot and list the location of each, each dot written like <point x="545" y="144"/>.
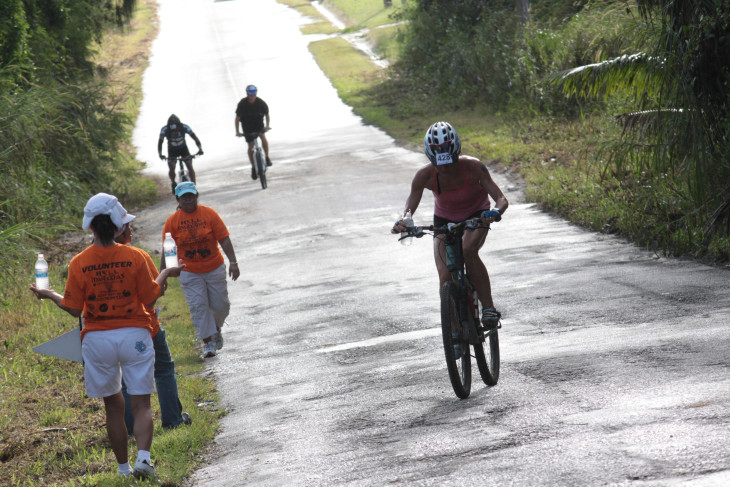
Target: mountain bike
<point x="259" y="158"/>
<point x="182" y="170"/>
<point x="461" y="325"/>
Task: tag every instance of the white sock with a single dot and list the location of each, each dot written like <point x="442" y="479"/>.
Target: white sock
<point x="143" y="455"/>
<point x="124" y="468"/>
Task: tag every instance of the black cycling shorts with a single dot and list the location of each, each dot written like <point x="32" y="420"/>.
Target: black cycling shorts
<point x="173" y="152"/>
<point x="440" y="222"/>
<point x="250" y="137"/>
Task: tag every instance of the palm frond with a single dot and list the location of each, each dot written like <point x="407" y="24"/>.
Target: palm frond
<point x="647" y="119"/>
<point x="628" y="72"/>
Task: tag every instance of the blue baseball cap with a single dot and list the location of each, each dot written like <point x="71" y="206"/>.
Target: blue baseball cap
<point x="251" y="90"/>
<point x="185" y="187"/>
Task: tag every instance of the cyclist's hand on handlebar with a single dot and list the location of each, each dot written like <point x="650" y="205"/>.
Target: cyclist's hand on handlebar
<point x="162" y="157"/>
<point x="239" y="134"/>
<point x="200" y="152"/>
<point x="399" y="226"/>
<point x="492" y="215"/>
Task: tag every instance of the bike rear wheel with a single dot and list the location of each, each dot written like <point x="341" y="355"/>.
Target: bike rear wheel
<point x="459" y="366"/>
<point x="261" y="168"/>
<point x="487" y="355"/>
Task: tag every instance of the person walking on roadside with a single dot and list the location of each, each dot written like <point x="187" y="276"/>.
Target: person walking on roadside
<point x="175" y="131"/>
<point x="197" y="231"/>
<point x="165" y="379"/>
<point x="251" y="113"/>
<point x="461" y="187"/>
<point x="112" y="285"/>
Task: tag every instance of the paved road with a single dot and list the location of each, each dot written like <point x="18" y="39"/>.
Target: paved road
<point x="614" y="361"/>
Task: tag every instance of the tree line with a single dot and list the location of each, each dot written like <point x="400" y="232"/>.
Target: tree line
<point x="59" y="131"/>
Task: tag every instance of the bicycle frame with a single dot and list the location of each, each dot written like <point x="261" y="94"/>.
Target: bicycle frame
<point x="468" y="307"/>
<point x="259" y="159"/>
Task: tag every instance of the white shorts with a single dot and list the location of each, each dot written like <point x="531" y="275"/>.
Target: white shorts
<point x="112" y="354"/>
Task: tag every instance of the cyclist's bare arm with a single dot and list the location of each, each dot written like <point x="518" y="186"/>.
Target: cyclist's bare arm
<point x="159" y="146"/>
<point x="478" y="171"/>
<point x="197" y="142"/>
<point x="267" y="119"/>
<point x="238" y="126"/>
<point x="420" y="182"/>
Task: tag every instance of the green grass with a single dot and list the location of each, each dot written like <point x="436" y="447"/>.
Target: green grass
<point x="364" y="13"/>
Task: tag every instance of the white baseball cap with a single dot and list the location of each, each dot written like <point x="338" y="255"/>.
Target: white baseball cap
<point x="106" y="204"/>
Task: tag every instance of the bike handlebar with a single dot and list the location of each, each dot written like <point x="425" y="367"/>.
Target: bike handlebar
<point x="176" y="158"/>
<point x="454" y="228"/>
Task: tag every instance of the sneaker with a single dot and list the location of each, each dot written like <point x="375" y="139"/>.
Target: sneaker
<point x="490" y="317"/>
<point x="143" y="470"/>
<point x="268" y="161"/>
<point x="253" y="174"/>
<point x="218" y="339"/>
<point x="186" y="419"/>
<point x="209" y="349"/>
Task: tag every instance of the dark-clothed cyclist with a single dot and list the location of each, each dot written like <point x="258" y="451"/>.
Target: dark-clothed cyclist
<point x="252" y="115"/>
<point x="175" y="132"/>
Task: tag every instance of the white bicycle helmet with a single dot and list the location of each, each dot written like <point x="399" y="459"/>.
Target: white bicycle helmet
<point x="442" y="144"/>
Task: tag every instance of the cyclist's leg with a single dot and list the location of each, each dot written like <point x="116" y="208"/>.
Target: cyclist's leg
<point x="189" y="163"/>
<point x="171" y="166"/>
<point x="250" y="154"/>
<point x="265" y="146"/>
<point x="472" y="243"/>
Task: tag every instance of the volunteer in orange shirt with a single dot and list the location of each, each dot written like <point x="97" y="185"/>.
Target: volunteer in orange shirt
<point x="111" y="284"/>
<point x="198" y="230"/>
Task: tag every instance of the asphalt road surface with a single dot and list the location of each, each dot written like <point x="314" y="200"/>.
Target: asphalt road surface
<point x="614" y="361"/>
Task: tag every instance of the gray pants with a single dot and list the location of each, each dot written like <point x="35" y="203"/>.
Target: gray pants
<point x="207" y="297"/>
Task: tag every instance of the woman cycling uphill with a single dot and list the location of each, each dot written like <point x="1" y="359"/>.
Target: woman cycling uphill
<point x="461" y="187"/>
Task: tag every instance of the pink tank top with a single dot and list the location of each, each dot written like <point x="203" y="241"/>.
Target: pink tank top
<point x="459" y="204"/>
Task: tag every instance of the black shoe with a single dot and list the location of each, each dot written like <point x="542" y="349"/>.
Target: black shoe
<point x="173" y="187"/>
<point x="490" y="317"/>
<point x="268" y="162"/>
<point x="253" y="174"/>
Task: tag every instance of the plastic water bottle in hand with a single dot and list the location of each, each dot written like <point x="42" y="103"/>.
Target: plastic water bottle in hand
<point x="408" y="221"/>
<point x="41" y="273"/>
<point x="169" y="247"/>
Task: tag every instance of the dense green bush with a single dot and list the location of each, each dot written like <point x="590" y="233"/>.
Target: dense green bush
<point x="59" y="133"/>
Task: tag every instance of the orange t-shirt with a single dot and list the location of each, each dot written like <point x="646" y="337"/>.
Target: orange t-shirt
<point x="151" y="309"/>
<point x="112" y="286"/>
<point x="197" y="235"/>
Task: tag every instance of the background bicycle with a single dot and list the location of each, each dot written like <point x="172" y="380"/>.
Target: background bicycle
<point x="182" y="172"/>
<point x="259" y="158"/>
<point x="461" y="327"/>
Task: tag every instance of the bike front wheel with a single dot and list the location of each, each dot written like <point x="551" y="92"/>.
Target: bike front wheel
<point x="261" y="168"/>
<point x="487" y="355"/>
<point x="456" y="345"/>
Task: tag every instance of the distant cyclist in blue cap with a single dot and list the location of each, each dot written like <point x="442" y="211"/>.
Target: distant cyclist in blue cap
<point x="250" y="115"/>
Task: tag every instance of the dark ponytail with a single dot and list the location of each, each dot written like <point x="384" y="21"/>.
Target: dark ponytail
<point x="104" y="229"/>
